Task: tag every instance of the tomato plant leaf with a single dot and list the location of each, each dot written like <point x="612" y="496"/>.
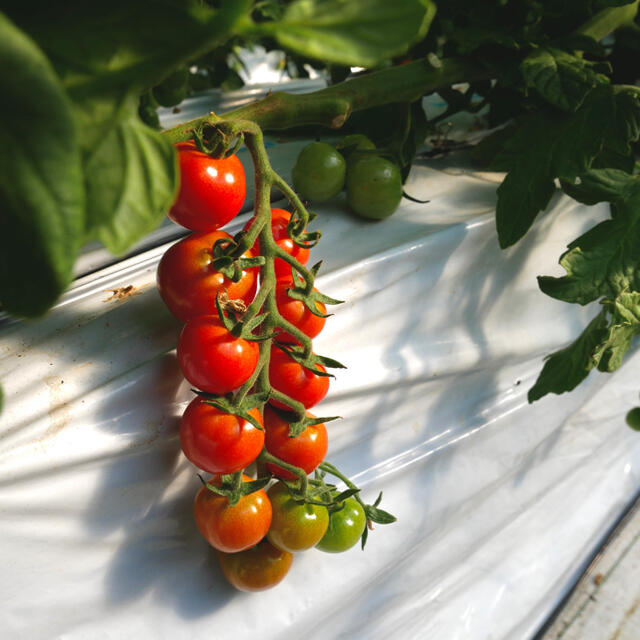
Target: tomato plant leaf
<point x="131" y="180"/>
<point x="350" y="32"/>
<point x="41" y="187"/>
<point x="549" y="145"/>
<point x="604" y="261"/>
<point x="565" y="369"/>
<point x="561" y="78"/>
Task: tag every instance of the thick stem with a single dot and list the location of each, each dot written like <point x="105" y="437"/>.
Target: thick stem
<point x="333" y="105"/>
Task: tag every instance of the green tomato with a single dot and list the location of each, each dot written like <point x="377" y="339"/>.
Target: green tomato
<point x="319" y="172"/>
<point x="374" y="187"/>
<point x="172" y="89"/>
<point x="633" y="418"/>
<point x="345" y="527"/>
<point x="294" y="526"/>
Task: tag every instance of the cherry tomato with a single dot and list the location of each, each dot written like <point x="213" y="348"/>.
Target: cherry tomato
<point x="297" y="314"/>
<point x="212" y="190"/>
<point x="345" y="527"/>
<point x="294" y="526"/>
<point x="219" y="442"/>
<point x="279" y="221"/>
<point x="292" y="379"/>
<point x="319" y="172"/>
<point x="188" y="283"/>
<point x="306" y="450"/>
<point x="232" y="528"/>
<point x="256" y="569"/>
<point x="212" y="359"/>
<point x="633" y="418"/>
<point x="374" y="187"/>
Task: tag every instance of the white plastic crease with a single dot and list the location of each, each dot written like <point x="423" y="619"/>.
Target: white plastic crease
<point x="498" y="502"/>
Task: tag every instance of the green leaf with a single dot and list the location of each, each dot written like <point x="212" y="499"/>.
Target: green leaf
<point x="625" y="325"/>
<point x="549" y="145"/>
<point x="41" y="189"/>
<point x="131" y="180"/>
<point x="565" y="369"/>
<point x="605" y="261"/>
<point x="561" y="78"/>
<point x="107" y="54"/>
<point x="350" y="32"/>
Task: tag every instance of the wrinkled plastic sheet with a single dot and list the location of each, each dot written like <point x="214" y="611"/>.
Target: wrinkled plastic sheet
<point x="499" y="502"/>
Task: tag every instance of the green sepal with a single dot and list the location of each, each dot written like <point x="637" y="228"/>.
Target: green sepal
<point x="227" y="405"/>
<point x="229" y="323"/>
<point x="232" y="493"/>
<point x="347" y="493"/>
<point x="296" y="427"/>
<point x="309" y="362"/>
<point x="254" y="323"/>
<point x="379" y="516"/>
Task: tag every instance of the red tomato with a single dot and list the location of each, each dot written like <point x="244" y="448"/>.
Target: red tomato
<point x="232" y="528"/>
<point x="279" y="221"/>
<point x="256" y="569"/>
<point x="306" y="450"/>
<point x="212" y="359"/>
<point x="297" y="314"/>
<point x="219" y="442"/>
<point x="292" y="379"/>
<point x="188" y="283"/>
<point x="211" y="192"/>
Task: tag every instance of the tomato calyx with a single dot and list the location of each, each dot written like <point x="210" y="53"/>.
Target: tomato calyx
<point x="233" y="487"/>
<point x="226" y="259"/>
<point x="299" y="290"/>
<point x="299" y="421"/>
<point x="310" y="361"/>
<point x="372" y="512"/>
<point x="239" y="406"/>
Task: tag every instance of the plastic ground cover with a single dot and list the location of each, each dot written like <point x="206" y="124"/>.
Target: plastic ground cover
<point x="499" y="502"/>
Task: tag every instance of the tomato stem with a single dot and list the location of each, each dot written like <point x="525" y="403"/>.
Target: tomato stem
<point x="265" y="456"/>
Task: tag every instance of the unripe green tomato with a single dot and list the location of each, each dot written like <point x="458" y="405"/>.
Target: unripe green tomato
<point x="633" y="418"/>
<point x="319" y="172"/>
<point x="374" y="187"/>
<point x="172" y="89"/>
<point x="294" y="526"/>
<point x="345" y="528"/>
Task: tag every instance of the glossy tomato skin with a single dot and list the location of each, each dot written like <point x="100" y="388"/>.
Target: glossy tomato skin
<point x="212" y="190"/>
<point x="319" y="172"/>
<point x="292" y="379"/>
<point x="219" y="442"/>
<point x="306" y="450"/>
<point x="345" y="528"/>
<point x="188" y="283"/>
<point x="256" y="569"/>
<point x="232" y="528"/>
<point x="298" y="315"/>
<point x="212" y="359"/>
<point x="374" y="187"/>
<point x="294" y="526"/>
<point x="279" y="221"/>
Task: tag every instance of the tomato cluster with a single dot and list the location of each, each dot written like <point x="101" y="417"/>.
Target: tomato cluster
<point x="254" y="528"/>
<point x="373" y="182"/>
